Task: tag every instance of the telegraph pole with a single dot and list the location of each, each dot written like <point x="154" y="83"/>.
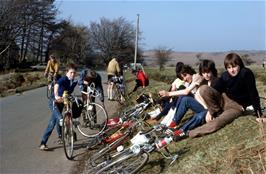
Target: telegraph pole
<point x="136" y="42"/>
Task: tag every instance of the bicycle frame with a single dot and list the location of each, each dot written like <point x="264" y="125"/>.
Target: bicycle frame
<point x="141" y="144"/>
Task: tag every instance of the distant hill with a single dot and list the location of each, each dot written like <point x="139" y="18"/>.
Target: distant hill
<point x="190" y="57"/>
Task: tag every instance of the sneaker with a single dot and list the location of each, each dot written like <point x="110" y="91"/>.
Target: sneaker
<point x="43" y="147"/>
<point x="155" y="113"/>
<point x="179" y="135"/>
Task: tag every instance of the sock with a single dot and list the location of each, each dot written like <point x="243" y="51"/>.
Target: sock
<point x="172" y="124"/>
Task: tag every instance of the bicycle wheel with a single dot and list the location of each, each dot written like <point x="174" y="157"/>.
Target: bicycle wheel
<point x="118" y="95"/>
<point x="127" y="163"/>
<point x="68" y="135"/>
<point x="93" y="120"/>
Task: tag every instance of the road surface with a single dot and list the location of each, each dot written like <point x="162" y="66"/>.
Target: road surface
<point x="23" y="119"/>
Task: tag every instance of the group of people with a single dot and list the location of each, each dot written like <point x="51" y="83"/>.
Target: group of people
<point x="215" y="101"/>
<point x="68" y="83"/>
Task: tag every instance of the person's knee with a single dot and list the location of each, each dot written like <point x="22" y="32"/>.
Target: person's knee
<point x="203" y="89"/>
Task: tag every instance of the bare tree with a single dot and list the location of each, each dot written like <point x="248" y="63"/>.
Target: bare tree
<point x="72" y="44"/>
<point x="113" y="38"/>
<point x="25" y="30"/>
<point x="163" y="55"/>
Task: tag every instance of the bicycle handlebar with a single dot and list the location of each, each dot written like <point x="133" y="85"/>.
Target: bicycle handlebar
<point x="91" y="91"/>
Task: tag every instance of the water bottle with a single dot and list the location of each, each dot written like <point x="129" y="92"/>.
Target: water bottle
<point x="164" y="142"/>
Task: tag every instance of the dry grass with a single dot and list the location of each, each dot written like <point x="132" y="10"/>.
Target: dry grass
<point x="18" y="82"/>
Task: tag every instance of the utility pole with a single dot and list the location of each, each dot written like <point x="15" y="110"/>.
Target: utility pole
<point x="136" y="42"/>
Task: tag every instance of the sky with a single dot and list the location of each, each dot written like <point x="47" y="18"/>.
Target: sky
<point x="209" y="26"/>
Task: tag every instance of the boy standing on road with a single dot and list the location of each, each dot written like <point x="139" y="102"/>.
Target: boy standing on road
<point x="66" y="83"/>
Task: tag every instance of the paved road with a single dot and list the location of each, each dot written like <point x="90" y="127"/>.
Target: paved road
<point x="22" y="122"/>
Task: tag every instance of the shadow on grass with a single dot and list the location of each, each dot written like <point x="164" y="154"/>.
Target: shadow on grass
<point x="158" y="164"/>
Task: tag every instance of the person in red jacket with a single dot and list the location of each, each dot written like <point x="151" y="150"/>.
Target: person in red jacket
<point x="141" y="79"/>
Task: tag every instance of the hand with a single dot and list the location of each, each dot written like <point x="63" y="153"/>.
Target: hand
<point x="59" y="99"/>
<point x="209" y="117"/>
<point x="85" y="82"/>
<point x="163" y="93"/>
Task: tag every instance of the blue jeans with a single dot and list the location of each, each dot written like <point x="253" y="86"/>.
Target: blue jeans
<point x="54" y="121"/>
<point x="198" y="118"/>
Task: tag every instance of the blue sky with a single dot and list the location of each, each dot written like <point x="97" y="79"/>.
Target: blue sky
<point x="181" y="25"/>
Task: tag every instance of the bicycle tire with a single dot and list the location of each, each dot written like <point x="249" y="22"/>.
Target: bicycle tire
<point x="126" y="163"/>
<point x="118" y="95"/>
<point x="68" y="136"/>
<point x="88" y="128"/>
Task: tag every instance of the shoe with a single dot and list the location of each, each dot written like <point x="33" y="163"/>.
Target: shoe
<point x="155" y="113"/>
<point x="179" y="135"/>
<point x="43" y="147"/>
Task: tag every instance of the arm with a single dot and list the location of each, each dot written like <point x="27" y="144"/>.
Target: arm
<point x="117" y="68"/>
<point x="47" y="67"/>
<point x="56" y="69"/>
<point x="253" y="92"/>
<point x="179" y="92"/>
<point x="57" y="97"/>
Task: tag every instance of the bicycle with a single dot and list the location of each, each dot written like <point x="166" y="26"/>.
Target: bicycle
<point x="130" y="121"/>
<point x="119" y="92"/>
<point x="50" y="86"/>
<point x="67" y="125"/>
<point x="133" y="158"/>
<point x="94" y="116"/>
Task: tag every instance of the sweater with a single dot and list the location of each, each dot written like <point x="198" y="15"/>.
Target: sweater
<point x="240" y="88"/>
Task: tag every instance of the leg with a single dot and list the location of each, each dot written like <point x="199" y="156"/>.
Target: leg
<point x="166" y="109"/>
<point x="56" y="116"/>
<point x="231" y="111"/>
<point x="211" y="98"/>
<point x="196" y="120"/>
<point x="185" y="104"/>
<point x="138" y="84"/>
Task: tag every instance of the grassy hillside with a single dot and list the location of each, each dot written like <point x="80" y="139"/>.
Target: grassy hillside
<point x="239" y="147"/>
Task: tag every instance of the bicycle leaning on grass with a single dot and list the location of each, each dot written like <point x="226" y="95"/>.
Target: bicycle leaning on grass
<point x="133" y="158"/>
<point x="121" y="129"/>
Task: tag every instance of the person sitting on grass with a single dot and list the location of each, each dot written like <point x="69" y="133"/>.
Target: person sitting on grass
<point x="166" y="103"/>
<point x="234" y="91"/>
<point x="207" y="74"/>
<point x="142" y="79"/>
